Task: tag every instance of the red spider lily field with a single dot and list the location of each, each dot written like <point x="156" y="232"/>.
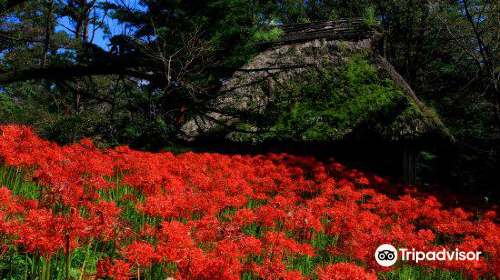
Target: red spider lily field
<point x="78" y="212"/>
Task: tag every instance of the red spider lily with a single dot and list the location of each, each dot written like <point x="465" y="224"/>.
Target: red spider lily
<point x="212" y="216"/>
<point x="141" y="253"/>
<point x="117" y="270"/>
<point x="344" y="271"/>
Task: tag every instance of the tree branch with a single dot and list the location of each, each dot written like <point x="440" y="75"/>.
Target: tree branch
<point x="10" y="4"/>
<point x="67" y="72"/>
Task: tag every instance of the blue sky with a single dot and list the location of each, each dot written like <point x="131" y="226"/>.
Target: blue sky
<point x="115" y="28"/>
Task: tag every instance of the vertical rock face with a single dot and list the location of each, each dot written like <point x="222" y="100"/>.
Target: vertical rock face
<point x="303" y="48"/>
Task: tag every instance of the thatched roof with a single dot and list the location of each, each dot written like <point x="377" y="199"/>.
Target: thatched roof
<point x="343" y="29"/>
<point x="302" y="48"/>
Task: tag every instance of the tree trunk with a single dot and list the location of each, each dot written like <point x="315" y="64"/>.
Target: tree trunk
<point x="48" y="31"/>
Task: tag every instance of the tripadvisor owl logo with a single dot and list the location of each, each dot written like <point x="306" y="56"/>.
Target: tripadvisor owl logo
<point x="386" y="255"/>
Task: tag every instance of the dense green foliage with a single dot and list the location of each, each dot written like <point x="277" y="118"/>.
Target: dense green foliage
<point x="327" y="104"/>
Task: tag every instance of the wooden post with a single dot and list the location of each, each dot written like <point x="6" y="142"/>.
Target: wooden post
<point x="410" y="159"/>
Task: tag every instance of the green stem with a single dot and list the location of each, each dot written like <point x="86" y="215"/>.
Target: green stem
<point x="26" y="268"/>
<point x="44" y="267"/>
<point x="85" y="260"/>
<point x="68" y="258"/>
<point x="48" y="270"/>
<point x="10" y="265"/>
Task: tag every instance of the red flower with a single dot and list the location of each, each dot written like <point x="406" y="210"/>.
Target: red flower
<point x="116" y="269"/>
<point x="213" y="216"/>
<point x="344" y="271"/>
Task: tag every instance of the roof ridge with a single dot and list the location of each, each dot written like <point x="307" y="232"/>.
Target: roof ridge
<point x="353" y="29"/>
